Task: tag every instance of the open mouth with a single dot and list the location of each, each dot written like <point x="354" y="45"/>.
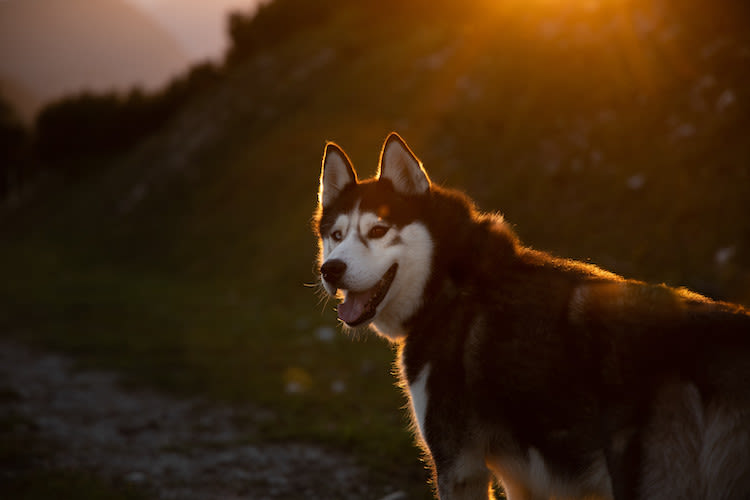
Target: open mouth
<point x="359" y="307"/>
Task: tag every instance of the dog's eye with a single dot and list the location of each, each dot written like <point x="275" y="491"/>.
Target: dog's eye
<point x="377" y="232"/>
<point x="337" y="235"/>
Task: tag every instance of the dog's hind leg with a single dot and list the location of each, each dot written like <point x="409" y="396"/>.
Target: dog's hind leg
<point x="671" y="445"/>
<point x="725" y="454"/>
<point x="695" y="451"/>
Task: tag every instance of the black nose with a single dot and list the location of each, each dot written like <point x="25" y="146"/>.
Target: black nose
<point x="333" y="270"/>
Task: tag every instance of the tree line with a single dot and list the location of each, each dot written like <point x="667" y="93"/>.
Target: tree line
<point x="72" y="132"/>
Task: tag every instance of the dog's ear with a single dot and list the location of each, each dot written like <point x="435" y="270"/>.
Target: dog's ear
<point x="336" y="174"/>
<point x="399" y="165"/>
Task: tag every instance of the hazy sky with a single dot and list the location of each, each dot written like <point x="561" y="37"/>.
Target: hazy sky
<point x="50" y="48"/>
<point x="199" y="26"/>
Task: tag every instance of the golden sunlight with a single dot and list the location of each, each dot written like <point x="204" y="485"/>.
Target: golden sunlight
<point x="568" y="5"/>
<point x="630" y="37"/>
<point x="589" y="10"/>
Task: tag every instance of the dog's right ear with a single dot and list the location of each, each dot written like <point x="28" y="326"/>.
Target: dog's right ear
<point x="336" y="174"/>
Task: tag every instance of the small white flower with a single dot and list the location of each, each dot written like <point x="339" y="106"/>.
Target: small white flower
<point x="636" y="182"/>
<point x="723" y="255"/>
<point x="325" y="334"/>
<point x="726" y="99"/>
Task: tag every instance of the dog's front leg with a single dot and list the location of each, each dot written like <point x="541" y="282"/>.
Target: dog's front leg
<point x="463" y="478"/>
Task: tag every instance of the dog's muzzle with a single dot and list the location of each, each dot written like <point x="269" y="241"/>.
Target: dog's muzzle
<point x="332" y="271"/>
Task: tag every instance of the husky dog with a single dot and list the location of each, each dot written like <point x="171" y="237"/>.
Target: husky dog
<point x="558" y="378"/>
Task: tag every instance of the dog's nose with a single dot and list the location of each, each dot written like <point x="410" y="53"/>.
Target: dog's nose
<point x="333" y="270"/>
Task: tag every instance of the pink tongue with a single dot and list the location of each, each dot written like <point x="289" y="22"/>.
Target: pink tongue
<point x="354" y="306"/>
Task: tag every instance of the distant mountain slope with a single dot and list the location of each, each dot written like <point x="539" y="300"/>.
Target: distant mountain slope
<point x="198" y="25"/>
<point x="56" y="47"/>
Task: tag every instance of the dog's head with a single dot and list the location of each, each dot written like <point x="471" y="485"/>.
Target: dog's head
<point x="375" y="252"/>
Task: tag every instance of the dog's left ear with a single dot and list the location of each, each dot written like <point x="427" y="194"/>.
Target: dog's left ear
<point x="336" y="174"/>
<point x="399" y="165"/>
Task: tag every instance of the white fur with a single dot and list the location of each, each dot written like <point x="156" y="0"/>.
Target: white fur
<point x="414" y="259"/>
<point x="365" y="264"/>
<point x="708" y="447"/>
<point x="411" y="247"/>
<point x="419" y="398"/>
<point x="530" y="478"/>
<point x="578" y="303"/>
<point x="726" y="441"/>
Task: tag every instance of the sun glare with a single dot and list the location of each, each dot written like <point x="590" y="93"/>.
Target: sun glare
<point x="583" y="5"/>
<point x="572" y="8"/>
<point x="625" y="32"/>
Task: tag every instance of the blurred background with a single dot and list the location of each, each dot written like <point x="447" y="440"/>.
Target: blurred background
<point x="159" y="162"/>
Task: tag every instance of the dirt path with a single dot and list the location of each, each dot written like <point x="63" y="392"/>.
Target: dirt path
<point x="179" y="449"/>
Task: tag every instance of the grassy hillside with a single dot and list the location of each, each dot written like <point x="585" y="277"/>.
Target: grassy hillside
<point x="614" y="132"/>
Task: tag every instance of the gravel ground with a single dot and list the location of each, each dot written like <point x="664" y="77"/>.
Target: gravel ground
<point x="177" y="449"/>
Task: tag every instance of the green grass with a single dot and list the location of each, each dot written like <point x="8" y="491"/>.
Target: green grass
<point x="200" y="288"/>
<point x="217" y="341"/>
